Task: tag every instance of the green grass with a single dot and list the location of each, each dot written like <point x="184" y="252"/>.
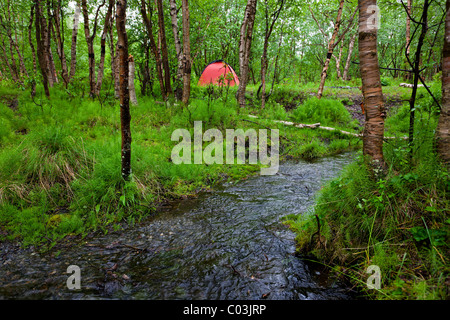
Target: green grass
<point x="60" y="158"/>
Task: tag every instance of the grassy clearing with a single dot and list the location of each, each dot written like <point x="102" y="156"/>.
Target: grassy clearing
<point x="60" y="158"/>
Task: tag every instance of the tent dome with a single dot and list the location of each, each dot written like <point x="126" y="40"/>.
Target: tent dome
<point x="218" y="72"/>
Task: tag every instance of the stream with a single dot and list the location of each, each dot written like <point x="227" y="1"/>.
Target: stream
<point x="226" y="244"/>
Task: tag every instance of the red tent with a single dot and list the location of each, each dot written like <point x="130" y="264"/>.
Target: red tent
<point x="216" y="72"/>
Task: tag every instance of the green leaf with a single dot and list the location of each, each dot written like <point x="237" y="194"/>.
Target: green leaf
<point x="419" y="233"/>
<point x="122" y="198"/>
<point x="437" y="237"/>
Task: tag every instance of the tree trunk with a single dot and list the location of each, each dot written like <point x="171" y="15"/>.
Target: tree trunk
<point x="33" y="51"/>
<point x="338" y="63"/>
<point x="174" y="21"/>
<point x="164" y="53"/>
<point x="40" y="41"/>
<point x="245" y="43"/>
<point x="12" y="70"/>
<point x="73" y="48"/>
<point x="90" y="45"/>
<point x="371" y="85"/>
<point x="144" y="67"/>
<point x="186" y="54"/>
<point x="22" y="68"/>
<point x="60" y="43"/>
<point x="125" y="117"/>
<point x="30" y="40"/>
<point x="153" y="47"/>
<point x="345" y="75"/>
<point x="101" y="65"/>
<point x="178" y="86"/>
<point x="415" y="66"/>
<point x="114" y="60"/>
<point x="10" y="27"/>
<point x="408" y="37"/>
<point x="267" y="33"/>
<point x="6" y="25"/>
<point x="443" y="128"/>
<point x="131" y="76"/>
<point x="331" y="45"/>
<point x="53" y="78"/>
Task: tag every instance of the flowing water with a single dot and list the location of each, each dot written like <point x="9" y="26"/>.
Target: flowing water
<point x="225" y="244"/>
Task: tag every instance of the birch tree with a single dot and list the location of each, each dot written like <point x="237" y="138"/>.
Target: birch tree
<point x="245" y="43"/>
<point x="371" y="85"/>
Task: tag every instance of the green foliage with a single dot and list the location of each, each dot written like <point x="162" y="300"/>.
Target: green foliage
<point x="385" y="81"/>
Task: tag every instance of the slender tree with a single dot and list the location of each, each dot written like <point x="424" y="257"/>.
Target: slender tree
<point x="90" y="43"/>
<point x="73" y="47"/>
<point x="178" y="85"/>
<point x="154" y="48"/>
<point x="164" y="51"/>
<point x="371" y="84"/>
<point x="105" y="31"/>
<point x="186" y="53"/>
<point x="408" y="35"/>
<point x="269" y="25"/>
<point x="245" y="43"/>
<point x="333" y="42"/>
<point x="351" y="45"/>
<point x="131" y="76"/>
<point x="41" y="50"/>
<point x="58" y="33"/>
<point x="125" y="117"/>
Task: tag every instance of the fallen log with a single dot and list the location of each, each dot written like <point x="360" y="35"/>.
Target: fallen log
<point x="408" y="85"/>
<point x="341" y="87"/>
<point x="311" y="126"/>
<point x="318" y="126"/>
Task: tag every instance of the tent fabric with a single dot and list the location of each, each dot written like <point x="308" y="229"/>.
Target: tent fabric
<point x="213" y="72"/>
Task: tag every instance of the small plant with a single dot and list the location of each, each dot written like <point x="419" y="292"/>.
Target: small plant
<point x="385" y="81"/>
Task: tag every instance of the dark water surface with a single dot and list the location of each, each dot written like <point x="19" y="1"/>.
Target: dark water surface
<point x="227" y="244"/>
